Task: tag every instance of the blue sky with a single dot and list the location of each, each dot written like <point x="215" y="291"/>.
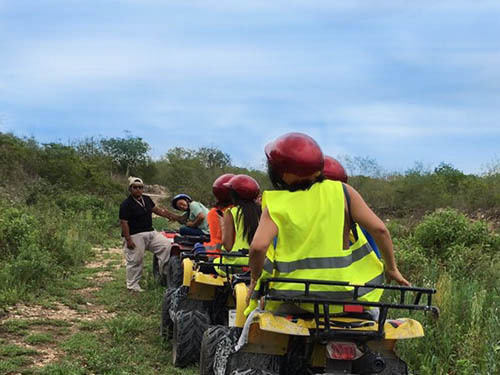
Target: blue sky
<point x="398" y="81"/>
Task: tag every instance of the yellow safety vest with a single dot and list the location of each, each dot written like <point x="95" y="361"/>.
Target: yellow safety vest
<point x="310" y="246"/>
<point x="239" y="243"/>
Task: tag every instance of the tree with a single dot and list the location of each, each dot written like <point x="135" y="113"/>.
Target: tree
<point x="449" y="176"/>
<point x="361" y="166"/>
<point x="213" y="158"/>
<point x="127" y="153"/>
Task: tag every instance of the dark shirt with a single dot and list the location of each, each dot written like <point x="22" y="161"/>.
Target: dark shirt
<point x="139" y="218"/>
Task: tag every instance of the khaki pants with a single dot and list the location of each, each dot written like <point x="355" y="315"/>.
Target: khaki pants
<point x="154" y="242"/>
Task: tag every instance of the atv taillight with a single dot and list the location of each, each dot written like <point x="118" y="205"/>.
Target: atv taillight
<point x="342" y="350"/>
<point x="353" y="308"/>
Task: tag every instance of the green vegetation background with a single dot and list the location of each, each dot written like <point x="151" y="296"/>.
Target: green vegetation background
<point x="58" y="201"/>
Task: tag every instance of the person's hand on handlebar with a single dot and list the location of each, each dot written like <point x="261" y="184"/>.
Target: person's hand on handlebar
<point x="251" y="288"/>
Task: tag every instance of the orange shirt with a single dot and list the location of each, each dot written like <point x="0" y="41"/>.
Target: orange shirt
<point x="215" y="243"/>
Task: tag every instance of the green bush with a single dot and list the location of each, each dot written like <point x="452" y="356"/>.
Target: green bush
<point x="42" y="242"/>
<point x="413" y="262"/>
<point x="18" y="228"/>
<point x="440" y="231"/>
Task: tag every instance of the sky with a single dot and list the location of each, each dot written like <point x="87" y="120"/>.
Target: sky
<point x="397" y="81"/>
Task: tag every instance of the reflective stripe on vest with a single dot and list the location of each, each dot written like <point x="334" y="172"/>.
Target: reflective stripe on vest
<point x="310" y="244"/>
<point x="338" y="295"/>
<point x="239" y="243"/>
<point x="217" y="246"/>
<point x="327" y="262"/>
<point x="268" y="266"/>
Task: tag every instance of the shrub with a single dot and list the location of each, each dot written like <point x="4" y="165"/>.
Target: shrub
<point x="441" y="230"/>
<point x="413" y="262"/>
<point x="17" y="229"/>
<point x="43" y="242"/>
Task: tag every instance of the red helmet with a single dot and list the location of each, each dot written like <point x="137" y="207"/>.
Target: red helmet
<point x="295" y="157"/>
<point x="220" y="191"/>
<point x="333" y="170"/>
<point x="245" y="186"/>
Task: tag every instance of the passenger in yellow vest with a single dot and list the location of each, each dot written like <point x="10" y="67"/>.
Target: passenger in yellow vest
<point x="333" y="170"/>
<point x="312" y="219"/>
<point x="240" y="221"/>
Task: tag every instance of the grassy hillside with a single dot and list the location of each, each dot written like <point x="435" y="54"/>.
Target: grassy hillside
<point x="58" y="202"/>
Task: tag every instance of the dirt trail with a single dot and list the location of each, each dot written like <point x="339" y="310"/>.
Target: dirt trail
<point x="58" y="320"/>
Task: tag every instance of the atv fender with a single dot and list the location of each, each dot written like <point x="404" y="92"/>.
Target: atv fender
<point x="240" y="294"/>
<point x="209" y="279"/>
<point x="269" y="322"/>
<point x="404" y="328"/>
<point x="203" y="286"/>
<point x="187" y="265"/>
<point x="266" y="342"/>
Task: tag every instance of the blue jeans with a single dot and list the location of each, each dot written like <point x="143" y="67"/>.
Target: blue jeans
<point x="189" y="231"/>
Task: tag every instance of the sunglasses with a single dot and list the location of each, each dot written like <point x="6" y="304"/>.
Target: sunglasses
<point x="137" y="187"/>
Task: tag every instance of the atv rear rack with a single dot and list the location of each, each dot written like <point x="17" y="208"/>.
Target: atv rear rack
<point x="322" y="318"/>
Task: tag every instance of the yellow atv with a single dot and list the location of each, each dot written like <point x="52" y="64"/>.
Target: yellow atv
<point x="172" y="275"/>
<point x="359" y="340"/>
<point x="204" y="298"/>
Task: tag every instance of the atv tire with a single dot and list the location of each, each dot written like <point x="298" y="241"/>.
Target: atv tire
<point x="243" y="363"/>
<point x="166" y="322"/>
<point x="209" y="342"/>
<point x="189" y="327"/>
<point x="180" y="301"/>
<point x="253" y="371"/>
<point x="227" y="362"/>
<point x="174" y="272"/>
<point x="159" y="277"/>
<point x="395" y="366"/>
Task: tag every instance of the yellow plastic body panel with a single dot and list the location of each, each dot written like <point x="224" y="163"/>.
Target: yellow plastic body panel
<point x="240" y="294"/>
<point x="187" y="265"/>
<point x="408" y="329"/>
<point x="202" y="292"/>
<point x="209" y="279"/>
<point x="318" y="358"/>
<point x="260" y="341"/>
<point x="278" y="324"/>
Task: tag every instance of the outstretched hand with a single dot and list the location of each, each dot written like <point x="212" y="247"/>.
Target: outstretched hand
<point x="168" y="215"/>
<point x="396" y="276"/>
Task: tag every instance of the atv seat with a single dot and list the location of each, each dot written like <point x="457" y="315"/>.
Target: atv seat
<point x="191" y="240"/>
<point x="241" y="278"/>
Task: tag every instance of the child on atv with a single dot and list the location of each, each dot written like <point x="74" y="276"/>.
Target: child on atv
<point x="194" y="219"/>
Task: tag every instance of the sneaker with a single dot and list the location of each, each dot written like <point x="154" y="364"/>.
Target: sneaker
<point x="136" y="289"/>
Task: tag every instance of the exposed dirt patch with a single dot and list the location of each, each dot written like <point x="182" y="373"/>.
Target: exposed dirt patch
<point x="106" y="257"/>
<point x="48" y="352"/>
<point x="45" y="353"/>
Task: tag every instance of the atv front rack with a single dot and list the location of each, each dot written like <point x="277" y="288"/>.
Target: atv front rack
<point x="322" y="318"/>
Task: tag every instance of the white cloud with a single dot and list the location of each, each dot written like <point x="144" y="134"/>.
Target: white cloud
<point x="386" y="121"/>
<point x="322" y="5"/>
<point x="95" y="62"/>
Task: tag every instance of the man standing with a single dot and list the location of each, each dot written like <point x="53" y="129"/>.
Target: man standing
<point x="138" y="233"/>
